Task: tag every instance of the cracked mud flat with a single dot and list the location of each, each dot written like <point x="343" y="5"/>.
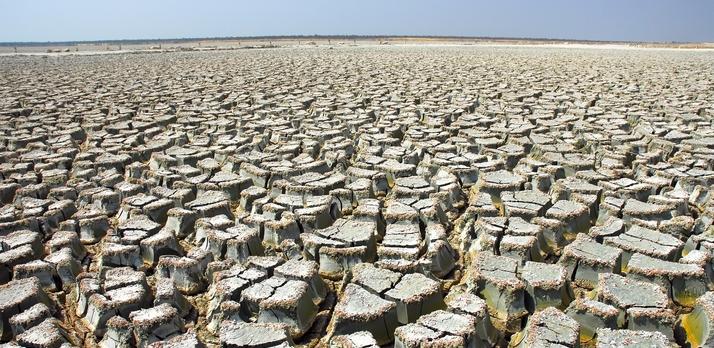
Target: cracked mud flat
<point x="358" y="197"/>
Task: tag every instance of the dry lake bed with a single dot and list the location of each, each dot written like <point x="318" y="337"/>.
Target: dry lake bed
<point x="358" y="196"/>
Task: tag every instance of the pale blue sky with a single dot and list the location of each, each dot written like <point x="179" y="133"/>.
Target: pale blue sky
<point x="633" y="20"/>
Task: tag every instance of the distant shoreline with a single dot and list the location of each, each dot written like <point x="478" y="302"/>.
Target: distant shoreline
<point x="361" y="38"/>
<point x="202" y="45"/>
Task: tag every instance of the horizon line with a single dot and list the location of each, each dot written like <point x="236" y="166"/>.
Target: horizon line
<point x="316" y="36"/>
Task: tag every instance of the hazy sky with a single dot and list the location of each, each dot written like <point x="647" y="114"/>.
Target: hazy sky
<point x="636" y="20"/>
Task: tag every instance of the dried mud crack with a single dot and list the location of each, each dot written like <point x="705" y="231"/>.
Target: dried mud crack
<point x="358" y="196"/>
